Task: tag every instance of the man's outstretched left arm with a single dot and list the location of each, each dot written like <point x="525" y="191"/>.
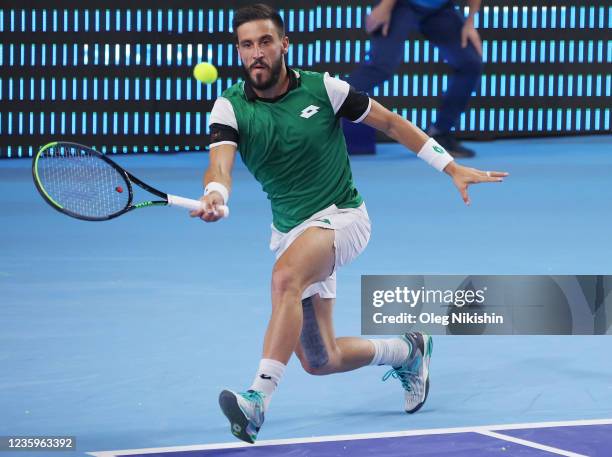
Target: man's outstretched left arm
<point x="407" y="134"/>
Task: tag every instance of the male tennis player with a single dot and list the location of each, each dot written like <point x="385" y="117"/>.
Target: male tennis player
<point x="286" y="124"/>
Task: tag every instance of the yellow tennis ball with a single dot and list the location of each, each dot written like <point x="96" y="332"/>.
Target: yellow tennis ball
<point x="205" y="72"/>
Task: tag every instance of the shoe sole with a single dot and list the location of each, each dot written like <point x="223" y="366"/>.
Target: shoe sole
<point x="238" y="420"/>
<point x="428" y="349"/>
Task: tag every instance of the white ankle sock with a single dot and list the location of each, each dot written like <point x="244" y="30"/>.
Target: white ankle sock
<point x="267" y="378"/>
<point x="392" y="351"/>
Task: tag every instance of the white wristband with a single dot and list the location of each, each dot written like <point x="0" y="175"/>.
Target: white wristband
<point x="217" y="187"/>
<point x="435" y="155"/>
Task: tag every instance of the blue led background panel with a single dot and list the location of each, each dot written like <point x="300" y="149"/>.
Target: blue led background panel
<point x="117" y="75"/>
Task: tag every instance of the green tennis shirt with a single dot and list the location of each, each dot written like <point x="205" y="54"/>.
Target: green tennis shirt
<point x="294" y="145"/>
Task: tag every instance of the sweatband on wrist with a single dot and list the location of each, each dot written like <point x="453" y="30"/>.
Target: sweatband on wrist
<point x="217" y="187"/>
<point x="435" y="155"/>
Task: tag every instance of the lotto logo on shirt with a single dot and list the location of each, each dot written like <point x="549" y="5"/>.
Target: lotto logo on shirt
<point x="310" y="111"/>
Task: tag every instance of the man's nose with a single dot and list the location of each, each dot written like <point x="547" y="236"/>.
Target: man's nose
<point x="258" y="52"/>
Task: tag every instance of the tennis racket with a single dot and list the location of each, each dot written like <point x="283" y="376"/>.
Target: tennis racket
<point x="83" y="183"/>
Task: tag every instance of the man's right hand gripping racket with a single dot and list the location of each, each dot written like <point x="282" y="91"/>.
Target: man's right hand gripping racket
<point x="83" y="183"/>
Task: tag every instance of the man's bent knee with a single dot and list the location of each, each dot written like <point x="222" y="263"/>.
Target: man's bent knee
<point x="284" y="281"/>
<point x="316" y="371"/>
<point x="329" y="367"/>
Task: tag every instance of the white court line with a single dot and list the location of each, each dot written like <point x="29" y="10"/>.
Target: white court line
<point x="531" y="444"/>
<point x="362" y="436"/>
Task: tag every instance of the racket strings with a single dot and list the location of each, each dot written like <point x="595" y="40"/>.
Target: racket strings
<point x="81" y="182"/>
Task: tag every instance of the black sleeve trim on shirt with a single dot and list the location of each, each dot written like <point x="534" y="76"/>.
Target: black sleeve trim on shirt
<point x="355" y="105"/>
<point x="221" y="132"/>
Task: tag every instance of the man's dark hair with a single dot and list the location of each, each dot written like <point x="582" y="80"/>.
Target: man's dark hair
<point x="255" y="13"/>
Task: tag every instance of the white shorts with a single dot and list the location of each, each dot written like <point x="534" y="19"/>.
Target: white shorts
<point x="351" y="228"/>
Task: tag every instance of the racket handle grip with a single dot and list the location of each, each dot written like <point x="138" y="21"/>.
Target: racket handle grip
<point x="190" y="204"/>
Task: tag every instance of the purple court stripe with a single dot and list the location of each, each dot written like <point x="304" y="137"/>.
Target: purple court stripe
<point x="591" y="440"/>
<point x="455" y="444"/>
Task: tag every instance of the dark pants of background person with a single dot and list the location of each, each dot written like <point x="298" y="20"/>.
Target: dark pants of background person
<point x="442" y="27"/>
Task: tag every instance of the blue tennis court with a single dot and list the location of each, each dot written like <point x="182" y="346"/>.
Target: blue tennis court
<point x="575" y="439"/>
<point x="123" y="333"/>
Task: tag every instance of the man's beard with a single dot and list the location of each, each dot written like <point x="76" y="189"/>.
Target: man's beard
<point x="275" y="72"/>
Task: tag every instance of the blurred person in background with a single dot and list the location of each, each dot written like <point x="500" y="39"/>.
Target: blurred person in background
<point x="459" y="44"/>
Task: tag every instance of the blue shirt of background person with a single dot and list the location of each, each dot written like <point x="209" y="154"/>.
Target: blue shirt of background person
<point x="430" y="4"/>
